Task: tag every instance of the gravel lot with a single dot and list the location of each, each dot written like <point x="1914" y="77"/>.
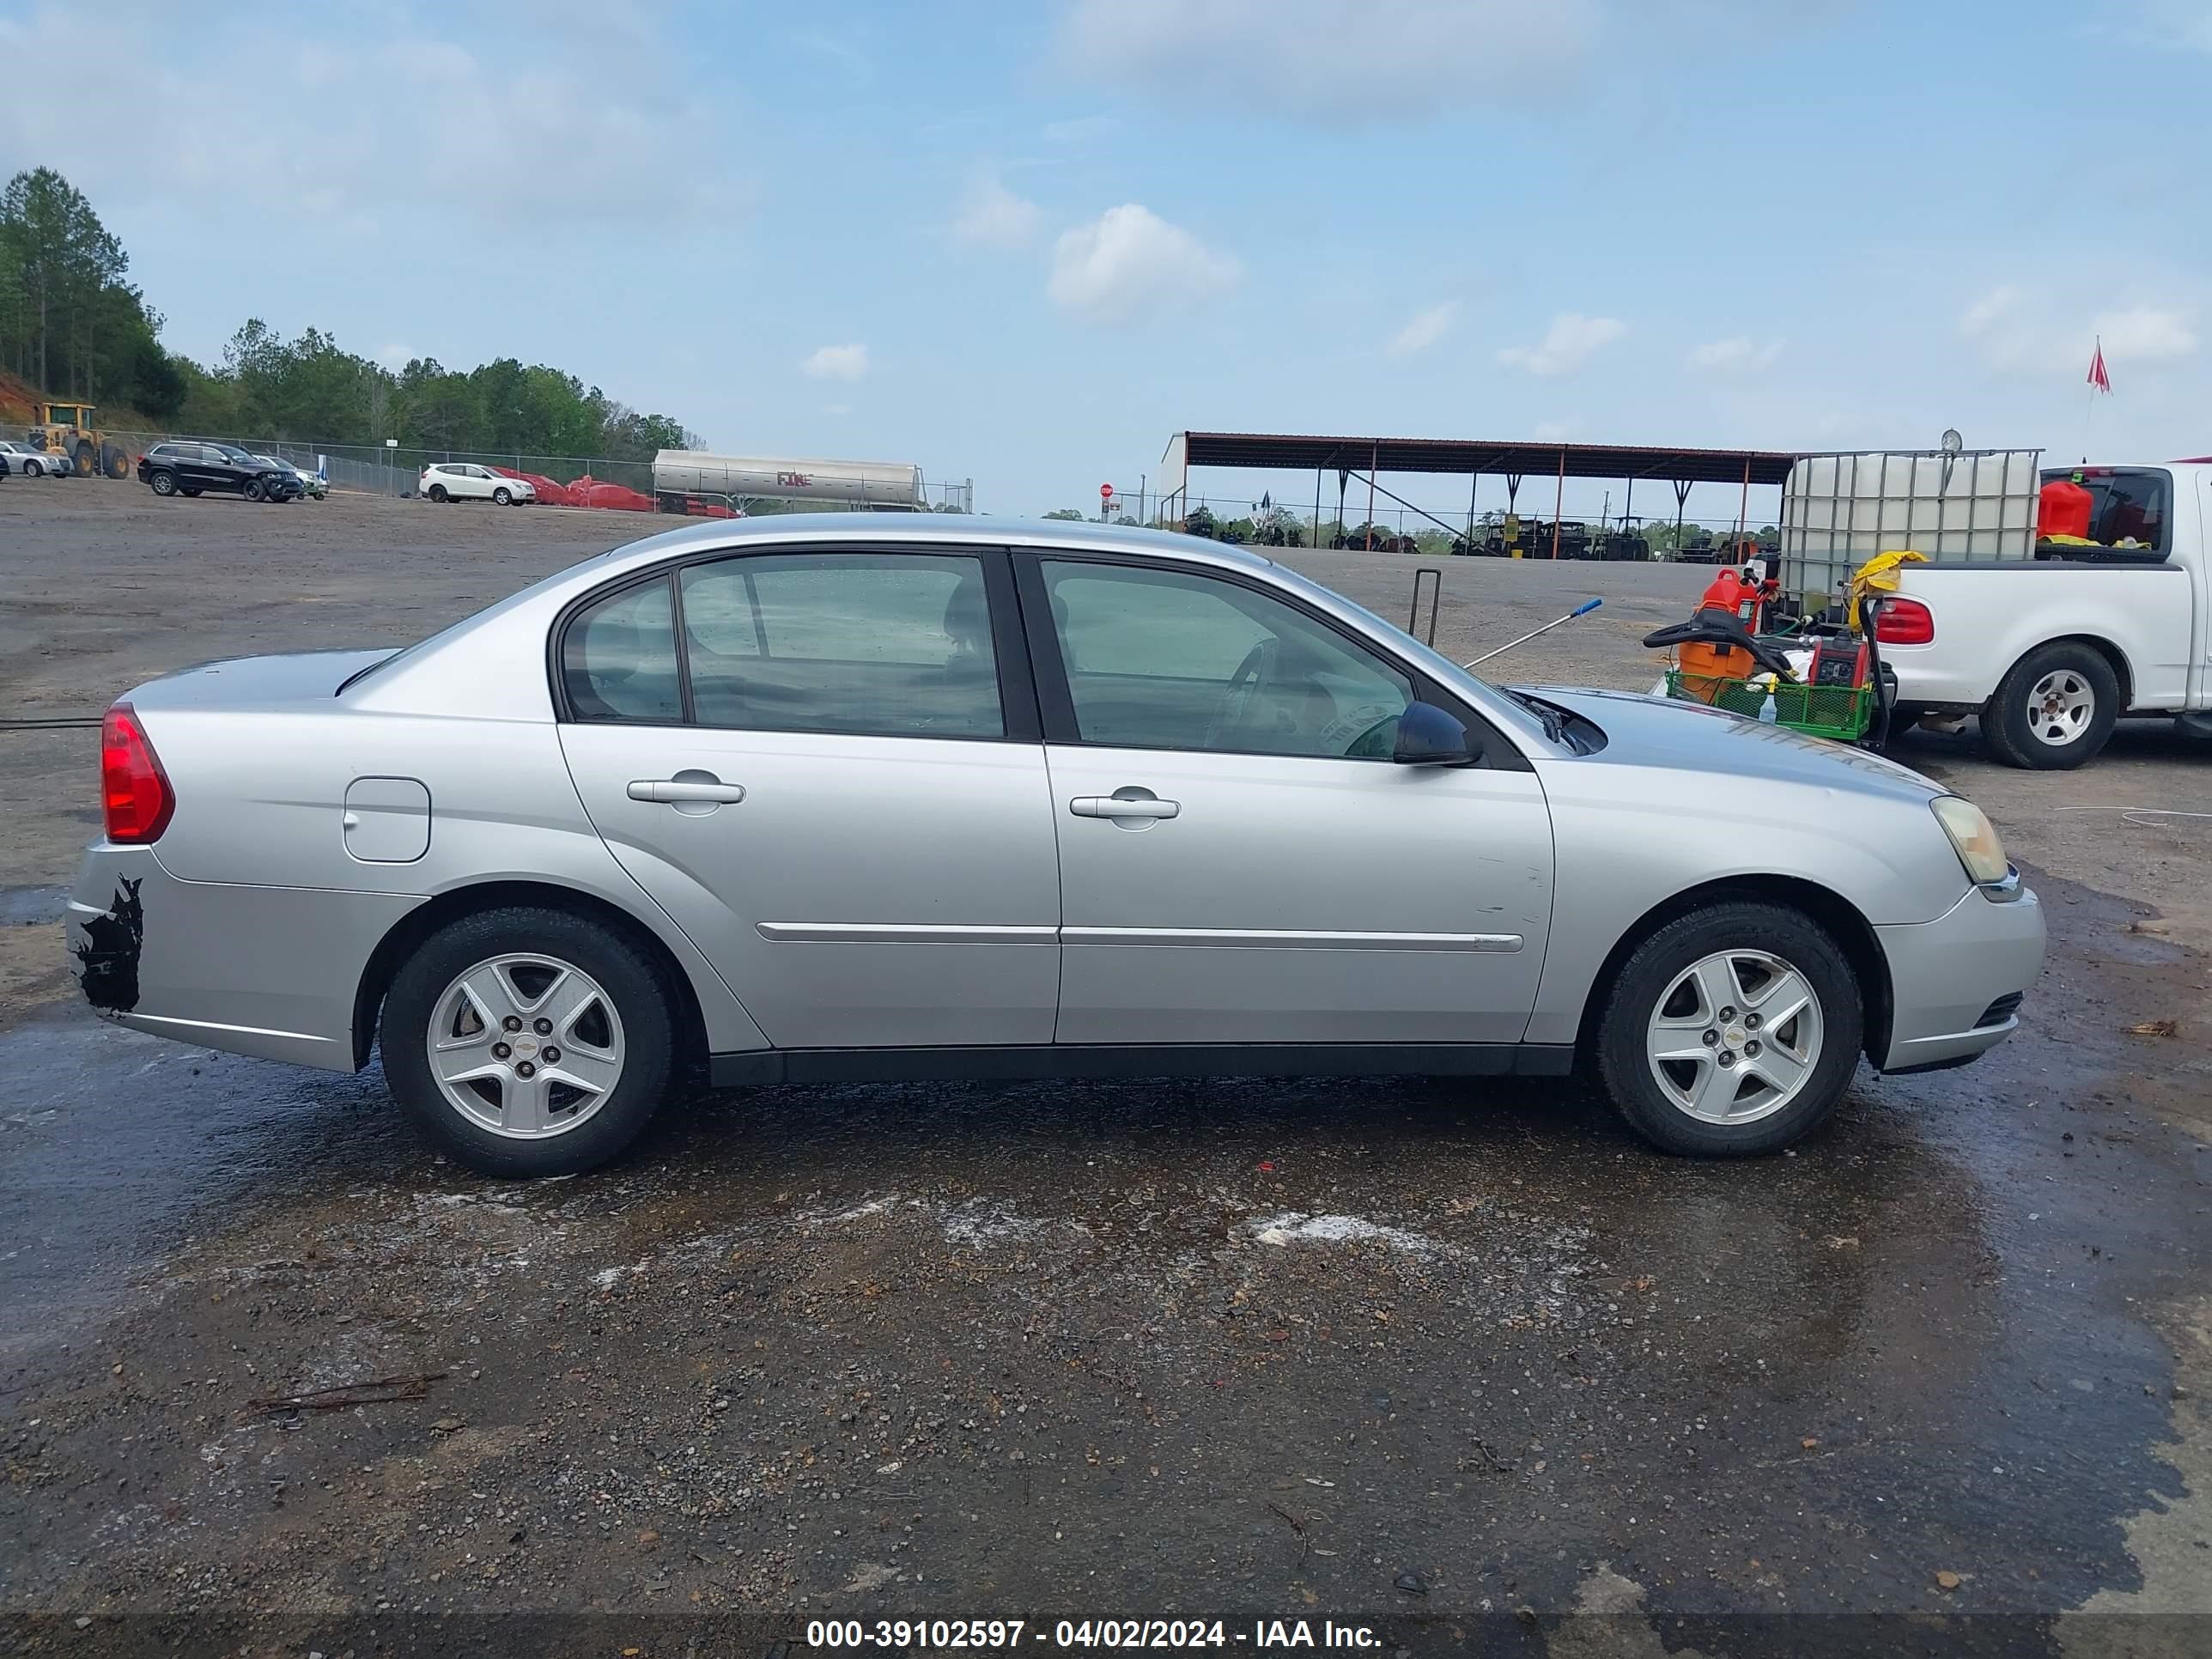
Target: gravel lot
<point x="1465" y="1365"/>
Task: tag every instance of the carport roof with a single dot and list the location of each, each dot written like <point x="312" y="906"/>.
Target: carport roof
<point x="1301" y="453"/>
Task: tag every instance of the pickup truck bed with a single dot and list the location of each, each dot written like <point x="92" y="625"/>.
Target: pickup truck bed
<point x="2051" y="652"/>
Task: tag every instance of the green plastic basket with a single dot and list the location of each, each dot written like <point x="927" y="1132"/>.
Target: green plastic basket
<point x="1841" y="712"/>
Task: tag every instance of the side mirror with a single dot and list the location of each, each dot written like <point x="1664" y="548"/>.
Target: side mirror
<point x="1427" y="736"/>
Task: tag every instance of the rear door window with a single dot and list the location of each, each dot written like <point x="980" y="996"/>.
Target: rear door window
<point x="885" y="645"/>
<point x="618" y="658"/>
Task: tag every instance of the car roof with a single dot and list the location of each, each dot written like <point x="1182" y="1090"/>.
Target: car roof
<point x="919" y="531"/>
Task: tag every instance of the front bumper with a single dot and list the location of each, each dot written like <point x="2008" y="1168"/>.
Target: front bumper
<point x="1946" y="975"/>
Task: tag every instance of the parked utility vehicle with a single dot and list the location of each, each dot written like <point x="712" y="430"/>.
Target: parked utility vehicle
<point x="2050" y="651"/>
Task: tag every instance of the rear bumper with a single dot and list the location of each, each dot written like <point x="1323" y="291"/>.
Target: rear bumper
<point x="269" y="971"/>
<point x="1947" y="976"/>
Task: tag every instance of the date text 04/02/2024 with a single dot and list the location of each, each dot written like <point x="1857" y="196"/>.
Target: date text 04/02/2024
<point x="905" y="1634"/>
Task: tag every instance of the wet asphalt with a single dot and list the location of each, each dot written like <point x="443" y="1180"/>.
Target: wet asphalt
<point x="1458" y="1360"/>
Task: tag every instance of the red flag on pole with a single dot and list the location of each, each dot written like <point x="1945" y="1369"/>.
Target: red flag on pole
<point x="2098" y="378"/>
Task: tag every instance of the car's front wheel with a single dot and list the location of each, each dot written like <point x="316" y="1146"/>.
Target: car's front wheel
<point x="503" y="497"/>
<point x="254" y="490"/>
<point x="1734" y="1029"/>
<point x="528" y="1041"/>
<point x="161" y="483"/>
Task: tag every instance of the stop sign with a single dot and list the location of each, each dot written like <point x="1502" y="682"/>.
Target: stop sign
<point x="1105" y="492"/>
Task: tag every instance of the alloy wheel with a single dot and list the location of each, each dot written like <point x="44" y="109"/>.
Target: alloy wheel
<point x="1736" y="1037"/>
<point x="525" y="1045"/>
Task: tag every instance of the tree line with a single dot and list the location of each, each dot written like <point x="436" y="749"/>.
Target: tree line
<point x="74" y="326"/>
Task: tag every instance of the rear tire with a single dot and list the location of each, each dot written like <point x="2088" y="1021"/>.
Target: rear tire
<point x="164" y="483"/>
<point x="518" y="949"/>
<point x="1777" y="1078"/>
<point x="438" y="493"/>
<point x="2055" y="710"/>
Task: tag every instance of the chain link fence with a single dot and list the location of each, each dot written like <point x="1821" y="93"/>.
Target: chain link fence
<point x="395" y="470"/>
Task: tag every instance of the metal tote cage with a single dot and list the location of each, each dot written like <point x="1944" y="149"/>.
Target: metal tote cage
<point x="1840" y="510"/>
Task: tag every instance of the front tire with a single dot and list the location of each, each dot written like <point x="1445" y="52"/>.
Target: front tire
<point x="253" y="491"/>
<point x="2055" y="710"/>
<point x="1731" y="1032"/>
<point x="162" y="484"/>
<point x="525" y="1042"/>
<point x="502" y="497"/>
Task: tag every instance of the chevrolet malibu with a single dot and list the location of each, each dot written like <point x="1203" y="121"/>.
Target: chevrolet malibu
<point x="830" y="800"/>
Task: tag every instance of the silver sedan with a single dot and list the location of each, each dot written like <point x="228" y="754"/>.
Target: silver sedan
<point x="830" y="799"/>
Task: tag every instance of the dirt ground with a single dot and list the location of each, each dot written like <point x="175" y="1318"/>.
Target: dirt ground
<point x="1462" y="1365"/>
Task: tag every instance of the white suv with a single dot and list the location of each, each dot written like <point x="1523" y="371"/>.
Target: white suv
<point x="461" y="481"/>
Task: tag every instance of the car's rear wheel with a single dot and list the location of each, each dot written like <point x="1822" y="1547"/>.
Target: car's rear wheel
<point x="437" y="492"/>
<point x="1732" y="1031"/>
<point x="161" y="483"/>
<point x="529" y="1042"/>
<point x="2056" y="708"/>
<point x="503" y="496"/>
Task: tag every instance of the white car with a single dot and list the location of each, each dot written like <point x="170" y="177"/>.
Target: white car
<point x="31" y="463"/>
<point x="461" y="481"/>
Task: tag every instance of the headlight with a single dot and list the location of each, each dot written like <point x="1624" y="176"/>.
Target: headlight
<point x="1975" y="840"/>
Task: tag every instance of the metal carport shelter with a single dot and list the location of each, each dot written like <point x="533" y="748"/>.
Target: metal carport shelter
<point x="1366" y="458"/>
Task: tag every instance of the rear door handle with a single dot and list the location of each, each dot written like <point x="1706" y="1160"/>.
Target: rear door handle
<point x="677" y="789"/>
<point x="1120" y="807"/>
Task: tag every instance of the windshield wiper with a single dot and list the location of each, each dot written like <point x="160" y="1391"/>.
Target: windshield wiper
<point x="1555" y="722"/>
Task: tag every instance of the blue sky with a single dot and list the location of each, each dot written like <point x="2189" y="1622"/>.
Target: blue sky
<point x="1024" y="242"/>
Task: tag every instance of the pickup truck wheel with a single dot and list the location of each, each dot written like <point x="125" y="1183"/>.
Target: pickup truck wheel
<point x="528" y="1043"/>
<point x="2055" y="709"/>
<point x="1731" y="1032"/>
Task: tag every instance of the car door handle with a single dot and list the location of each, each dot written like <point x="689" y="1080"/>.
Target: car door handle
<point x="1119" y="806"/>
<point x="678" y="789"/>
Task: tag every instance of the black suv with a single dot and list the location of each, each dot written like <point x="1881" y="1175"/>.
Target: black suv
<point x="181" y="468"/>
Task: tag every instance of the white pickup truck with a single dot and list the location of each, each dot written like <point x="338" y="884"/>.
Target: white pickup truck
<point x="2051" y="652"/>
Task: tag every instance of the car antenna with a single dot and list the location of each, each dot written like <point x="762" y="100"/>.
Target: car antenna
<point x="1582" y="609"/>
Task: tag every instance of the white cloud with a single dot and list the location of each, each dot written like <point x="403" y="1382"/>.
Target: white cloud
<point x="1566" y="345"/>
<point x="993" y="216"/>
<point x="837" y="362"/>
<point x="352" y="118"/>
<point x="2178" y="23"/>
<point x="1307" y="57"/>
<point x="1128" y="262"/>
<point x="2145" y="334"/>
<point x="1554" y="432"/>
<point x="1424" y="331"/>
<point x="2034" y="334"/>
<point x="1989" y="309"/>
<point x="1738" y="354"/>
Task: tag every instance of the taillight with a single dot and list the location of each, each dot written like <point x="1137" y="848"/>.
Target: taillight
<point x="1903" y="622"/>
<point x="133" y="787"/>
